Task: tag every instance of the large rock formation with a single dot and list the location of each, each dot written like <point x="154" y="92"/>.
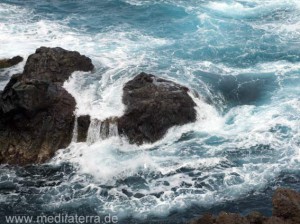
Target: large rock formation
<point x="286" y="205"/>
<point x="153" y="105"/>
<point x="286" y="210"/>
<point x="36" y="112"/>
<point x="6" y="63"/>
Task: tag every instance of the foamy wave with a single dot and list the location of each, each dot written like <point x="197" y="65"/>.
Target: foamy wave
<point x="250" y="8"/>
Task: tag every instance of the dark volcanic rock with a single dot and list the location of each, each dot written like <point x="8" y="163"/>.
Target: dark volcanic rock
<point x="83" y="123"/>
<point x="6" y="63"/>
<point x="206" y="218"/>
<point x="256" y="218"/>
<point x="231" y="218"/>
<point x="33" y="136"/>
<point x="30" y="96"/>
<point x="55" y="64"/>
<point x="286" y="210"/>
<point x="153" y="105"/>
<point x="286" y="205"/>
<point x="36" y="112"/>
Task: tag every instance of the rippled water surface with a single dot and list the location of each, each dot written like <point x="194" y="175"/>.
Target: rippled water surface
<point x="242" y="57"/>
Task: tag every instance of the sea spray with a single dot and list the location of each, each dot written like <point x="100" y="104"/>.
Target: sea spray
<point x="99" y="130"/>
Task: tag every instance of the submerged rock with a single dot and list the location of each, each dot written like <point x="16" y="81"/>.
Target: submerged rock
<point x="153" y="105"/>
<point x="36" y="112"/>
<point x="286" y="210"/>
<point x="6" y="63"/>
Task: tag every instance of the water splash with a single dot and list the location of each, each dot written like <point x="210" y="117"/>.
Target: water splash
<point x="75" y="130"/>
<point x="99" y="130"/>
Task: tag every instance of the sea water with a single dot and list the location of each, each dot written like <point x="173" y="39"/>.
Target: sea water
<point x="242" y="57"/>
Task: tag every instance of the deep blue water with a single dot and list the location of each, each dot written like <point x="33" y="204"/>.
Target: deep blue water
<point x="242" y="57"/>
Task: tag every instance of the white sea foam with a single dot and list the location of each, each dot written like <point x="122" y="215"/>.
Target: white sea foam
<point x="248" y="8"/>
<point x="95" y="98"/>
<point x="113" y="159"/>
<point x="117" y="56"/>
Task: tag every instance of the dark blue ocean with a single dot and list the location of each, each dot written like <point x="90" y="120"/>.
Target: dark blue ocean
<point x="242" y="57"/>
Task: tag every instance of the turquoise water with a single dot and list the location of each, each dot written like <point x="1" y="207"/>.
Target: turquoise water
<point x="242" y="57"/>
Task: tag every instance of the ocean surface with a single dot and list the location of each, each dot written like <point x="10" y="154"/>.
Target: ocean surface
<point x="241" y="56"/>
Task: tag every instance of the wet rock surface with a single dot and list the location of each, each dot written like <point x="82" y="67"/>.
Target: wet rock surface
<point x="286" y="205"/>
<point x="55" y="64"/>
<point x="6" y="63"/>
<point x="83" y="123"/>
<point x="153" y="105"/>
<point x="36" y="112"/>
<point x="286" y="210"/>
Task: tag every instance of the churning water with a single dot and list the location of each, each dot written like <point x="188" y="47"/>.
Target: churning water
<point x="241" y="56"/>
